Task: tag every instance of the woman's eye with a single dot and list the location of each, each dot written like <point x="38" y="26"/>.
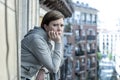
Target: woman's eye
<point x="54" y="24"/>
<point x="62" y="25"/>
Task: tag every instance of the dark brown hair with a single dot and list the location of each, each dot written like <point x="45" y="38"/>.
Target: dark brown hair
<point x="51" y="16"/>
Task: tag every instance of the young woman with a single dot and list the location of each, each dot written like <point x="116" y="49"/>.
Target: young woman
<point x="36" y="47"/>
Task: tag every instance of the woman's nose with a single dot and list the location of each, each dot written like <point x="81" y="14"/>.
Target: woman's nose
<point x="59" y="27"/>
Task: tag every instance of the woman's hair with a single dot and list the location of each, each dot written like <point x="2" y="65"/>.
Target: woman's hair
<point x="51" y="16"/>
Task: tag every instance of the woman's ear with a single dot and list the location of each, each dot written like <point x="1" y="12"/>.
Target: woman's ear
<point x="45" y="26"/>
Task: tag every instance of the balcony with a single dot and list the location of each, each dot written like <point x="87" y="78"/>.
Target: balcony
<point x="91" y="37"/>
<point x="92" y="51"/>
<point x="80" y="38"/>
<point x="80" y="53"/>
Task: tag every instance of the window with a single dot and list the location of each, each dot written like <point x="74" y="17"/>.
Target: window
<point x="88" y="18"/>
<point x="83" y="17"/>
<point x="94" y="19"/>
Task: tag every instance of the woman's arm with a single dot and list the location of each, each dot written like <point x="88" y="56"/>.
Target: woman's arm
<point x="42" y="53"/>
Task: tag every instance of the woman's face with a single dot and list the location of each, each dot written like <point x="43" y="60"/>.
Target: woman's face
<point x="56" y="26"/>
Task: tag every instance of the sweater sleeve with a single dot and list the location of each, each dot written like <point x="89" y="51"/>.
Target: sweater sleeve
<point x="42" y="53"/>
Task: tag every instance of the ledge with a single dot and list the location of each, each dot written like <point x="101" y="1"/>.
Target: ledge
<point x="64" y="6"/>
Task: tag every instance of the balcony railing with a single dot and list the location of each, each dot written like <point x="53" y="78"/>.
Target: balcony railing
<point x="91" y="37"/>
<point x="91" y="51"/>
<point x="79" y="53"/>
<point x="79" y="38"/>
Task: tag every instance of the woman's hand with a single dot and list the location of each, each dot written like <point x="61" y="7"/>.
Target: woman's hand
<point x="55" y="36"/>
<point x="40" y="75"/>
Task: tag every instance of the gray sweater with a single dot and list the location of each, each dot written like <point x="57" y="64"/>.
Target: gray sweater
<point x="36" y="52"/>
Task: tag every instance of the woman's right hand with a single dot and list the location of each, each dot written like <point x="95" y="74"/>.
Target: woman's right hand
<point x="54" y="36"/>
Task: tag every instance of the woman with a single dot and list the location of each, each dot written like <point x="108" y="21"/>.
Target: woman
<point x="36" y="46"/>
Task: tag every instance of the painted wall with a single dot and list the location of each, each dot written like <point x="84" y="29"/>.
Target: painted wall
<point x="8" y="40"/>
<point x="16" y="18"/>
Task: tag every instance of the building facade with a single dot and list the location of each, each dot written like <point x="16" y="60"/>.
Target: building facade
<point x="82" y="35"/>
<point x="109" y="43"/>
<point x="108" y="40"/>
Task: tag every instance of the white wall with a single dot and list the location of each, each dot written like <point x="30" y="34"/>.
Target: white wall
<point x="16" y="18"/>
<point x="8" y="40"/>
